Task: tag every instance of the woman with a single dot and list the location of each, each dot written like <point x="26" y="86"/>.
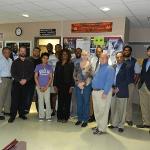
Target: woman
<point x="83" y="77"/>
<point x="63" y="84"/>
<point x="43" y="79"/>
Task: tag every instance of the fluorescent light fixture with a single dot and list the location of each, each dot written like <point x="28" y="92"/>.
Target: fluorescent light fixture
<point x="105" y="9"/>
<point x="25" y="15"/>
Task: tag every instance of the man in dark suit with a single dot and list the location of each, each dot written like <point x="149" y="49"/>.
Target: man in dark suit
<point x="120" y="94"/>
<point x="144" y="90"/>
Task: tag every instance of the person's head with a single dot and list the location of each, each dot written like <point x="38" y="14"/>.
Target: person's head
<point x="44" y="58"/>
<point x="119" y="57"/>
<point x="36" y="52"/>
<point x="148" y="51"/>
<point x="66" y="55"/>
<point x="58" y="48"/>
<point x="49" y="47"/>
<point x="104" y="58"/>
<point x="99" y="51"/>
<point x="15" y="48"/>
<point x="22" y="51"/>
<point x="127" y="51"/>
<point x="78" y="52"/>
<point x="85" y="55"/>
<point x="6" y="52"/>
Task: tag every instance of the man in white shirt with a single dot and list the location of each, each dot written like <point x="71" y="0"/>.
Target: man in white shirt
<point x="5" y="82"/>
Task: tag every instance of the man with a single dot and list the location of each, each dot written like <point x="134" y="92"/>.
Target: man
<point x="102" y="93"/>
<point x="120" y="94"/>
<point x="35" y="58"/>
<point x="5" y="82"/>
<point x="144" y="90"/>
<point x="134" y="71"/>
<point x="75" y="60"/>
<point x="53" y="58"/>
<point x="14" y="52"/>
<point x="95" y="62"/>
<point x="22" y="71"/>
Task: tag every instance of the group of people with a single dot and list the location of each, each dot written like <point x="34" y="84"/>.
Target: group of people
<point x="88" y="88"/>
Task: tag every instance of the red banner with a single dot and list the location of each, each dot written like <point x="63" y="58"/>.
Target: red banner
<point x="91" y="27"/>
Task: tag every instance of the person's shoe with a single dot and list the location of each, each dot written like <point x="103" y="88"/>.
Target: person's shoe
<point x="49" y="119"/>
<point x="97" y="132"/>
<point x="142" y="126"/>
<point x="95" y="128"/>
<point x="120" y="130"/>
<point x="41" y="119"/>
<point x="78" y="123"/>
<point x="130" y="123"/>
<point x="111" y="127"/>
<point x="84" y="124"/>
<point x="92" y="119"/>
<point x="11" y="120"/>
<point x="2" y="118"/>
<point x="23" y="117"/>
<point x="53" y="113"/>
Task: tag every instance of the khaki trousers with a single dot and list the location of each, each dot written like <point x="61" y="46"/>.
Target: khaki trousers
<point x="145" y="104"/>
<point x="118" y="111"/>
<point x="5" y="95"/>
<point x="101" y="109"/>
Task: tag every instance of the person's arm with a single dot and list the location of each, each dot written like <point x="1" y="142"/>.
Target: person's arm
<point x="36" y="75"/>
<point x="14" y="71"/>
<point x="55" y="79"/>
<point x="30" y="70"/>
<point x="137" y="70"/>
<point x="109" y="81"/>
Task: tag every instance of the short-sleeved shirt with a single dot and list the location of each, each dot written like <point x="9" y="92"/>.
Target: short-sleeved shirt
<point x="43" y="74"/>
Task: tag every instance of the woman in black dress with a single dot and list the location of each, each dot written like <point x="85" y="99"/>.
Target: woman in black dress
<point x="63" y="85"/>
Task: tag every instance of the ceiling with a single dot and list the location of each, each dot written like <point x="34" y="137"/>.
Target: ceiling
<point x="137" y="11"/>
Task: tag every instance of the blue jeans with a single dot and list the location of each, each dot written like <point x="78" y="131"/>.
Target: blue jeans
<point x="83" y="103"/>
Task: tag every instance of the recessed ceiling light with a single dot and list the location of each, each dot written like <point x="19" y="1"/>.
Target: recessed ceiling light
<point x="105" y="9"/>
<point x="25" y="15"/>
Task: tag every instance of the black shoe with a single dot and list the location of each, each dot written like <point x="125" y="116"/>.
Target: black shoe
<point x="95" y="128"/>
<point x="23" y="117"/>
<point x="64" y="121"/>
<point x="53" y="113"/>
<point x="78" y="123"/>
<point x="84" y="124"/>
<point x="130" y="123"/>
<point x="92" y="119"/>
<point x="97" y="132"/>
<point x="142" y="126"/>
<point x="111" y="127"/>
<point x="59" y="120"/>
<point x="2" y="118"/>
<point x="11" y="120"/>
<point x="120" y="130"/>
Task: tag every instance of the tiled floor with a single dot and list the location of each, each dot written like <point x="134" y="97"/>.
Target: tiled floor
<point x="58" y="136"/>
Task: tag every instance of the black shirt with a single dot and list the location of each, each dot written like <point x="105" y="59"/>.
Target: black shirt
<point x="22" y="69"/>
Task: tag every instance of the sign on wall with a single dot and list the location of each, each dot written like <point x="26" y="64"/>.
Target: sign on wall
<point x="91" y="27"/>
<point x="47" y="32"/>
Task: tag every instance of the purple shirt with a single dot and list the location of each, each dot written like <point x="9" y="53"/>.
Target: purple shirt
<point x="43" y="74"/>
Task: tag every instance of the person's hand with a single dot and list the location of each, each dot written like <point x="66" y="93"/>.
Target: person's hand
<point x="56" y="89"/>
<point x="23" y="82"/>
<point x="104" y="96"/>
<point x="81" y="85"/>
<point x="116" y="90"/>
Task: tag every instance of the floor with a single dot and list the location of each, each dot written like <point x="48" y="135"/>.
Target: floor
<point x="58" y="136"/>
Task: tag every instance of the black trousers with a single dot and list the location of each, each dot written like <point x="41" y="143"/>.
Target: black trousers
<point x="18" y="99"/>
<point x="64" y="101"/>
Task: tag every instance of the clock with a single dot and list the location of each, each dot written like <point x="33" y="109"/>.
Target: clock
<point x="18" y="31"/>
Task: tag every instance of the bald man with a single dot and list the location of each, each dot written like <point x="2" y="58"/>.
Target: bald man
<point x="102" y="93"/>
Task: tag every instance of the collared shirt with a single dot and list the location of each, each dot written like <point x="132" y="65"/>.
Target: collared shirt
<point x="104" y="78"/>
<point x="5" y="66"/>
<point x="118" y="66"/>
<point x="148" y="64"/>
<point x="137" y="67"/>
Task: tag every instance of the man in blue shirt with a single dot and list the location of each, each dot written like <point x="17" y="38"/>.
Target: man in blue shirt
<point x="5" y="82"/>
<point x="102" y="93"/>
<point x="144" y="90"/>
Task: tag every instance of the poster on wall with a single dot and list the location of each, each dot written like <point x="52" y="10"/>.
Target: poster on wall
<point x="111" y="46"/>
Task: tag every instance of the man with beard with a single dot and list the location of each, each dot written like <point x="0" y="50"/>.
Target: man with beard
<point x="144" y="90"/>
<point x="134" y="70"/>
<point x="75" y="60"/>
<point x="22" y="71"/>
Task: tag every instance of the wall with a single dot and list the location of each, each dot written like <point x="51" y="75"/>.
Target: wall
<point x="31" y="30"/>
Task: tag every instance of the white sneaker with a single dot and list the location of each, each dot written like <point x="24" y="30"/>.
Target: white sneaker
<point x="49" y="120"/>
<point x="41" y="120"/>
